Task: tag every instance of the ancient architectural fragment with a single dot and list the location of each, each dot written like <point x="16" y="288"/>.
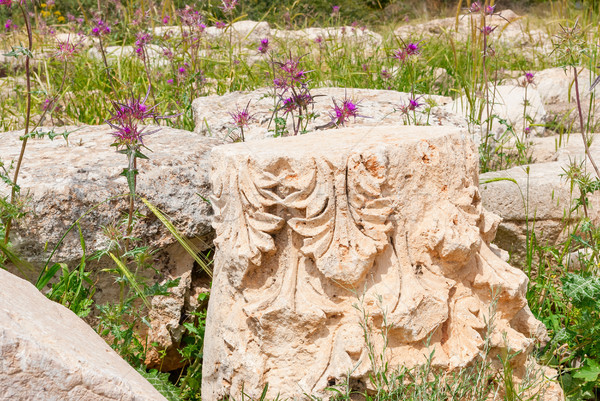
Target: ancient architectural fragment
<point x="327" y="239"/>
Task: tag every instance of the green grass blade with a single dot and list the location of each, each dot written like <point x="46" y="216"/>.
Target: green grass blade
<point x="131" y="279"/>
<point x="186" y="244"/>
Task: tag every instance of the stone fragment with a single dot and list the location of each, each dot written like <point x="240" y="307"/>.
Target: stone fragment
<point x="511" y="30"/>
<point x="365" y="37"/>
<point x="556" y="87"/>
<point x="323" y="236"/>
<point x="48" y="353"/>
<point x="507" y="103"/>
<point x="63" y="180"/>
<point x="375" y="107"/>
<point x="538" y="197"/>
<point x="243" y="31"/>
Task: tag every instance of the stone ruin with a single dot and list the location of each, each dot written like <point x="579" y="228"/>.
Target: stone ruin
<point x="324" y="236"/>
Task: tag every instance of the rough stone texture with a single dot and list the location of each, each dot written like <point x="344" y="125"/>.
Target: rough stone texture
<point x="243" y="31"/>
<point x="511" y="30"/>
<point x="545" y="193"/>
<point x="379" y="107"/>
<point x="506" y="102"/>
<point x="48" y="353"/>
<point x="557" y="90"/>
<point x="388" y="219"/>
<point x="62" y="181"/>
<point x="154" y="53"/>
<point x="309" y="35"/>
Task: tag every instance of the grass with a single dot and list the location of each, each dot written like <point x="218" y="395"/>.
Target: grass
<point x="79" y="84"/>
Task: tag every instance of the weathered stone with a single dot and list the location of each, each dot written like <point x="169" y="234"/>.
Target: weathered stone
<point x="323" y="236"/>
<point x="154" y="53"/>
<point x="376" y="107"/>
<point x="506" y="102"/>
<point x="510" y="30"/>
<point x="48" y="353"/>
<point x="556" y="87"/>
<point x="365" y="37"/>
<point x="242" y="31"/>
<point x="542" y="190"/>
<point x="62" y="181"/>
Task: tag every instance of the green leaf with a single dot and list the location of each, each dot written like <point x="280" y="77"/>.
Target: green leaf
<point x="187" y="245"/>
<point x="48" y="274"/>
<point x="161" y="382"/>
<point x="131" y="279"/>
<point x="130" y="174"/>
<point x="583" y="291"/>
<point x="589" y="372"/>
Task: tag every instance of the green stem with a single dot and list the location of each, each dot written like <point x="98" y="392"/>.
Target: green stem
<point x="13" y="192"/>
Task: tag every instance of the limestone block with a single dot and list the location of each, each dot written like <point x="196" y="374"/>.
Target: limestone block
<point x="321" y="233"/>
<point x="507" y="103"/>
<point x="62" y="180"/>
<point x="538" y="197"/>
<point x="510" y="30"/>
<point x="48" y="353"/>
<point x="377" y="107"/>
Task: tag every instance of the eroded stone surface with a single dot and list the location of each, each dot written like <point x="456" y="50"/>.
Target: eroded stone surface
<point x="538" y="197"/>
<point x="62" y="181"/>
<point x="375" y="107"/>
<point x="316" y="232"/>
<point x="48" y="353"/>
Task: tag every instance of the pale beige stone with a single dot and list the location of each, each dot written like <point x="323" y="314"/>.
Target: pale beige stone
<point x="375" y="108"/>
<point x="48" y="353"/>
<point x="63" y="180"/>
<point x="538" y="197"/>
<point x="317" y="234"/>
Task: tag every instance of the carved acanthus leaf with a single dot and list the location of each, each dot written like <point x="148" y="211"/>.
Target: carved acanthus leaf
<point x="241" y="220"/>
<point x="346" y="219"/>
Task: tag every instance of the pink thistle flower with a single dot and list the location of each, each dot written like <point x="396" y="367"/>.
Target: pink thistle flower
<point x="341" y="113"/>
<point x="487" y="30"/>
<point x="67" y="49"/>
<point x="264" y="46"/>
<point x="228" y="6"/>
<point x="475" y="7"/>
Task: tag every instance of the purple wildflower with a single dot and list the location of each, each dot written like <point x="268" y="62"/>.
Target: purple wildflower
<point x="335" y="11"/>
<point x="10" y="26"/>
<point x="170" y="81"/>
<point x="126" y="118"/>
<point x="404" y="53"/>
<point x="290" y="74"/>
<point x="489" y="10"/>
<point x="475" y="7"/>
<point x="385" y="74"/>
<point x="166" y="19"/>
<point x="342" y="113"/>
<point x="413" y="104"/>
<point x="241" y="118"/>
<point x="264" y="46"/>
<point x="140" y="44"/>
<point x="487" y="30"/>
<point x="528" y="131"/>
<point x="528" y="80"/>
<point x="228" y="6"/>
<point x="101" y="28"/>
<point x="67" y="49"/>
<point x="6" y="3"/>
<point x="220" y="25"/>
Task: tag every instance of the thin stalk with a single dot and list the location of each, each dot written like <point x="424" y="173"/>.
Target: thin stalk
<point x="13" y="192"/>
<point x="583" y="133"/>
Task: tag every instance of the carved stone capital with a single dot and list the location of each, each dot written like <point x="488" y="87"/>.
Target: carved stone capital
<point x="323" y="235"/>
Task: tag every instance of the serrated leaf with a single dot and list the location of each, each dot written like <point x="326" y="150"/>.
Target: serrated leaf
<point x="589" y="372"/>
